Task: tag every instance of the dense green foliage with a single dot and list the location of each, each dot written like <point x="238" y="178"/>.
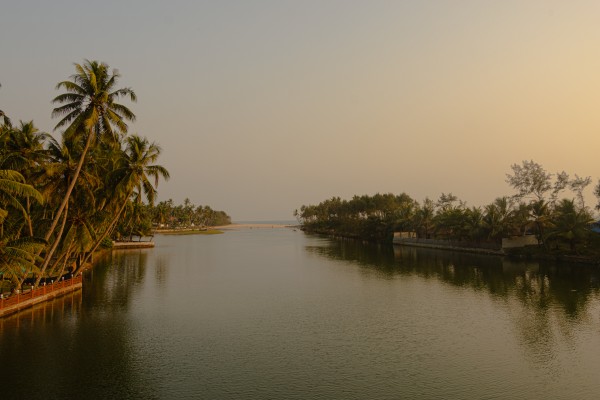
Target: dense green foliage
<point x="60" y="200"/>
<point x="187" y="215"/>
<point x="535" y="209"/>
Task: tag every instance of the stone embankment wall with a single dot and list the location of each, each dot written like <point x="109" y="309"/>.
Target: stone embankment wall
<point x="408" y="239"/>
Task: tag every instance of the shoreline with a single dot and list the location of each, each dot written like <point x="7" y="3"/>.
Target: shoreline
<point x="253" y="226"/>
<point x="230" y="227"/>
<point x="22" y="301"/>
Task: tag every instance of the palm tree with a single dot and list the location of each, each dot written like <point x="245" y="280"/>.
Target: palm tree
<point x="18" y="257"/>
<point x="24" y="152"/>
<point x="473" y="223"/>
<point x="23" y="149"/>
<point x="56" y="176"/>
<point x="570" y="223"/>
<point x="90" y="113"/>
<point x="133" y="172"/>
<point x="498" y="218"/>
<point x="12" y="186"/>
<point x="540" y="214"/>
<point x="423" y="219"/>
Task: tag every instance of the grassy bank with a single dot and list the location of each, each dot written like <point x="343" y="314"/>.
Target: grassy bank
<point x="190" y="232"/>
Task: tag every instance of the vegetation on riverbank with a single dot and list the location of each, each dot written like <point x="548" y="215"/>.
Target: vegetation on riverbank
<point x="61" y="199"/>
<point x="562" y="226"/>
<point x="186" y="216"/>
<point x="145" y="219"/>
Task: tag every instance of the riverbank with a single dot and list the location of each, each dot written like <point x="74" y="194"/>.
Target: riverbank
<point x="132" y="245"/>
<point x="451" y="248"/>
<point x="529" y="252"/>
<point x="253" y="226"/>
<point x="215" y="230"/>
<point x="22" y="301"/>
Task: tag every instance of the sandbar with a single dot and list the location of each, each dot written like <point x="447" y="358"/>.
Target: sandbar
<point x="252" y="226"/>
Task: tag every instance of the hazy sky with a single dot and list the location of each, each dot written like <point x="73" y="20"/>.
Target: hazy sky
<point x="262" y="106"/>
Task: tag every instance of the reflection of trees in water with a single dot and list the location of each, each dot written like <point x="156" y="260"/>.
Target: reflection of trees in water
<point x="114" y="278"/>
<point x="104" y="345"/>
<point x="536" y="284"/>
<point x="545" y="300"/>
<point x="82" y="349"/>
<point x="64" y="308"/>
<point x="161" y="272"/>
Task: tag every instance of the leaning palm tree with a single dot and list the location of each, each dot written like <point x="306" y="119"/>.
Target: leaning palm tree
<point x="133" y="172"/>
<point x="90" y="113"/>
<point x="55" y="177"/>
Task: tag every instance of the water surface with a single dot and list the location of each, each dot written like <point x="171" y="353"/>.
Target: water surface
<point x="277" y="314"/>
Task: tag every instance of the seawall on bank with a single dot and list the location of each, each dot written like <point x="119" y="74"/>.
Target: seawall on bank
<point x="20" y="302"/>
<point x="410" y="239"/>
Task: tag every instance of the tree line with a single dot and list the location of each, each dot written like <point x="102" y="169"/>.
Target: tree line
<point x="538" y="208"/>
<point x="61" y="199"/>
<point x="144" y="219"/>
<point x="187" y="215"/>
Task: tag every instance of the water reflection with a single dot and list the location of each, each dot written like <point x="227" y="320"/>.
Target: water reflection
<point x="115" y="278"/>
<point x="547" y="303"/>
<point x="161" y="271"/>
<point x="80" y="345"/>
<point x="539" y="284"/>
<point x="64" y="308"/>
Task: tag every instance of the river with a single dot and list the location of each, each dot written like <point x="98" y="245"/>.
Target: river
<point x="278" y="314"/>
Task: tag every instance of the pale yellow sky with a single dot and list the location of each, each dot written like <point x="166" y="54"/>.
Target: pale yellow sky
<point x="262" y="106"/>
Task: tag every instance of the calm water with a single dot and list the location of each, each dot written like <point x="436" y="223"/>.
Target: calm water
<point x="276" y="314"/>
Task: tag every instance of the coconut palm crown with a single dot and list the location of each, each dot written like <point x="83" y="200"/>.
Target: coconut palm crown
<point x="89" y="102"/>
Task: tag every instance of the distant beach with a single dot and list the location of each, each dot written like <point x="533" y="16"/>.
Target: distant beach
<point x="254" y="225"/>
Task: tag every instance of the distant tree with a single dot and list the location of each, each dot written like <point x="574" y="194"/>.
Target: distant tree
<point x="578" y="185"/>
<point x="446" y="201"/>
<point x="423" y="218"/>
<point x="522" y="217"/>
<point x="474" y="223"/>
<point x="529" y="179"/>
<point x="498" y="218"/>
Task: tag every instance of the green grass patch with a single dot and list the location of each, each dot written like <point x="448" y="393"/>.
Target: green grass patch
<point x="193" y="232"/>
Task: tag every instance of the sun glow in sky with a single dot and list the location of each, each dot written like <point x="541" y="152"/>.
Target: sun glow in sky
<point x="262" y="106"/>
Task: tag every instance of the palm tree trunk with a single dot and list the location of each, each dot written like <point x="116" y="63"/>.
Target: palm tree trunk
<point x="52" y="269"/>
<point x="29" y="224"/>
<point x="19" y="282"/>
<point x="53" y="248"/>
<point x="113" y="223"/>
<point x="64" y="264"/>
<point x="71" y="185"/>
